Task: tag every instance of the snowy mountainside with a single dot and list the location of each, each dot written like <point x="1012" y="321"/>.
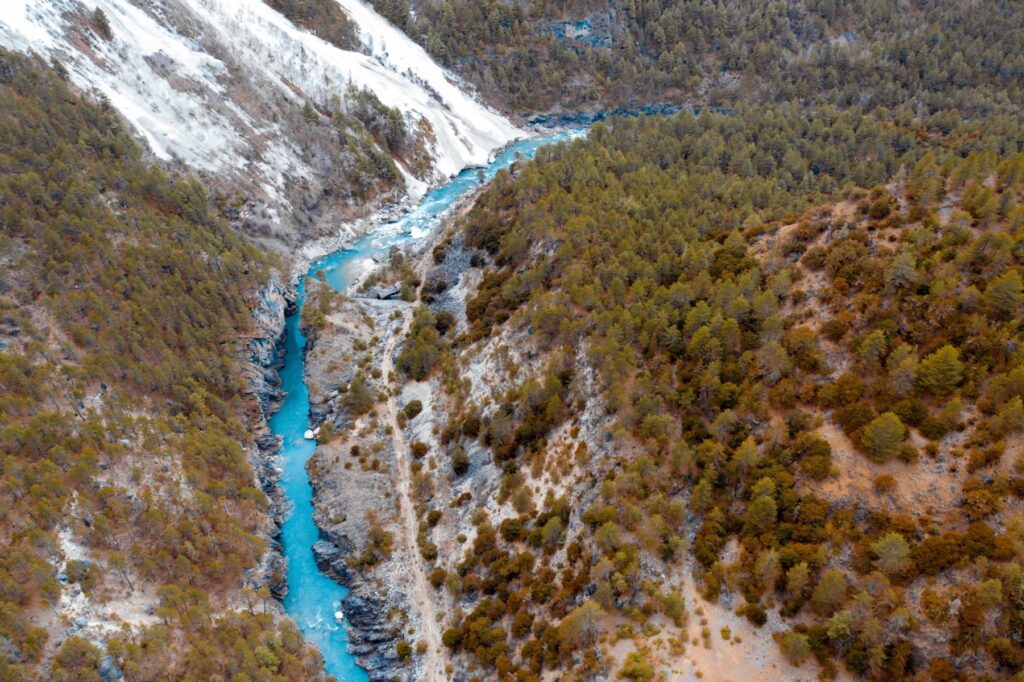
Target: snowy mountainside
<point x="220" y="85"/>
<point x="391" y="47"/>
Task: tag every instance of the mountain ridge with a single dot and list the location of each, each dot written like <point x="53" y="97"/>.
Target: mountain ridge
<point x="232" y="89"/>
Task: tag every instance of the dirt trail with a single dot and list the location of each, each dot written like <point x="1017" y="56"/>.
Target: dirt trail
<point x="422" y="593"/>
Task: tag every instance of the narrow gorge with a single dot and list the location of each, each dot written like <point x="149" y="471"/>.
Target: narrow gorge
<point x="313" y="600"/>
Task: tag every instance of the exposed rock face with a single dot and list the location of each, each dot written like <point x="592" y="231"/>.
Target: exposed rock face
<point x="261" y="360"/>
<point x="376" y="606"/>
<point x="371" y="637"/>
<point x="558" y="119"/>
<point x="351" y="330"/>
<point x="261" y="356"/>
<point x="264" y="345"/>
<point x="354" y="475"/>
<point x="596" y="30"/>
<point x="373" y="643"/>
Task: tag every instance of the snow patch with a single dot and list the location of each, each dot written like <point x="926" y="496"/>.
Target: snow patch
<point x="130" y="71"/>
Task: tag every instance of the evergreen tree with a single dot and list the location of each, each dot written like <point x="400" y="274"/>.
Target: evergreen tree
<point x="941" y="371"/>
<point x="795" y="646"/>
<point x="830" y="594"/>
<point x="309" y="113"/>
<point x="760" y="515"/>
<point x="1003" y="295"/>
<point x="582" y="626"/>
<point x="892" y="554"/>
<point x="797" y="579"/>
<point x="883" y="436"/>
<point x="767" y="568"/>
<point x="358" y="398"/>
<point x="101" y="23"/>
<point x="872" y="348"/>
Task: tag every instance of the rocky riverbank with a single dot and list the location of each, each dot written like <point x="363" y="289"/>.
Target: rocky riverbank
<point x="350" y="501"/>
<point x="372" y="605"/>
<point x="352" y="474"/>
<point x="354" y="471"/>
<point x="373" y="639"/>
<point x="261" y="354"/>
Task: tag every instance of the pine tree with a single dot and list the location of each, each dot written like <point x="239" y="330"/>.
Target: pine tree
<point x="358" y="398"/>
<point x="309" y="112"/>
<point x="101" y="23"/>
<point x="581" y="627"/>
<point x="883" y="436"/>
<point x="760" y="515"/>
<point x="767" y="569"/>
<point x="551" y="533"/>
<point x="460" y="460"/>
<point x="795" y="646"/>
<point x="775" y="362"/>
<point x="703" y="496"/>
<point x="830" y="594"/>
<point x="745" y="455"/>
<point x="1003" y="295"/>
<point x="941" y="371"/>
<point x="797" y="578"/>
<point x="1010" y="418"/>
<point x="840" y="625"/>
<point x="902" y="272"/>
<point x="872" y="348"/>
<point x="78" y="660"/>
<point x="902" y="367"/>
<point x="893" y="554"/>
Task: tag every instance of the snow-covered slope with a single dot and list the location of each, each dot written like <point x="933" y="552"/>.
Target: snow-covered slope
<point x="393" y="48"/>
<point x="217" y="83"/>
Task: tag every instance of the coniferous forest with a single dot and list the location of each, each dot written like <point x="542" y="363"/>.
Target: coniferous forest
<point x="803" y="312"/>
<point x="577" y="54"/>
<point x="774" y="301"/>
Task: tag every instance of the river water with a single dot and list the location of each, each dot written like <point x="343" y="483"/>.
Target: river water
<point x="313" y="598"/>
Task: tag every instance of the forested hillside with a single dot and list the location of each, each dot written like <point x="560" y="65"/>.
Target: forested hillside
<point x="805" y="331"/>
<point x="124" y="483"/>
<point x="540" y="55"/>
<point x="759" y="363"/>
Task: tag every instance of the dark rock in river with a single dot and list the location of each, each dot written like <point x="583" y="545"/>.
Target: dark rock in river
<point x="331" y="561"/>
<point x="371" y="639"/>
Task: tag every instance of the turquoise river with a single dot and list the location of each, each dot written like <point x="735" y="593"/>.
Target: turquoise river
<point x="313" y="598"/>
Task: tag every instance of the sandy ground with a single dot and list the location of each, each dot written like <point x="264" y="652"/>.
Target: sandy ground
<point x="750" y="654"/>
<point x="932" y="485"/>
<point x="928" y="484"/>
